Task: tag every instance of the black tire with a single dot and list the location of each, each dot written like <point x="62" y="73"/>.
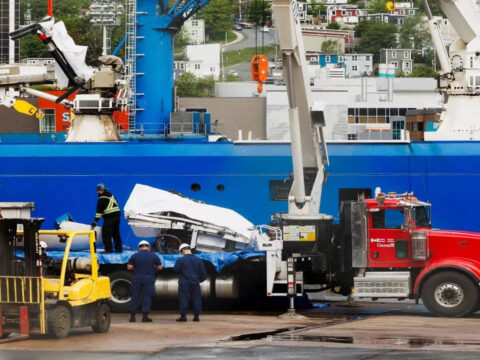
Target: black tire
<point x="102" y="323"/>
<point x="120" y="282"/>
<point x="450" y="293"/>
<point x="59" y="321"/>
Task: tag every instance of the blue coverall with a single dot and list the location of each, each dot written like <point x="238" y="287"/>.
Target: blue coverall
<point x="192" y="272"/>
<point x="143" y="280"/>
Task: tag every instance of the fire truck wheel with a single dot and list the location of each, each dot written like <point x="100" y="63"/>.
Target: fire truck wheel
<point x="120" y="282"/>
<point x="450" y="293"/>
<point x="102" y="324"/>
<point x="59" y="322"/>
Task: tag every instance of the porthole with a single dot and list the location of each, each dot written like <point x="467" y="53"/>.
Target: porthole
<point x="195" y="187"/>
<point x="220" y="187"/>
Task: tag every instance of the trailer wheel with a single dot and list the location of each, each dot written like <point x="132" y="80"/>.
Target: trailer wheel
<point x="102" y="323"/>
<point x="450" y="294"/>
<point x="120" y="282"/>
<point x="59" y="322"/>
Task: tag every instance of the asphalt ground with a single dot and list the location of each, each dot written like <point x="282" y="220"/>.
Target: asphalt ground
<point x="333" y="331"/>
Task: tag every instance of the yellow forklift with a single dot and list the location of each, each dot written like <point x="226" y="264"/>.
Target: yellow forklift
<point x="40" y="295"/>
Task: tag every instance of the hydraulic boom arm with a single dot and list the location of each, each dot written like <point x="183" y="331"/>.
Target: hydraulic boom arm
<point x="309" y="152"/>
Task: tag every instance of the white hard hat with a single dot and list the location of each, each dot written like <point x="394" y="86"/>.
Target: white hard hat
<point x="183" y="246"/>
<point x="143" y="243"/>
<point x="43" y="245"/>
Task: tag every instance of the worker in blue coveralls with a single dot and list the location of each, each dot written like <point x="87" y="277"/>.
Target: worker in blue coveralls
<point x="192" y="272"/>
<point x="107" y="207"/>
<point x="144" y="263"/>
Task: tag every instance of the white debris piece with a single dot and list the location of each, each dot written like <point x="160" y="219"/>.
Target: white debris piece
<point x="74" y="54"/>
<point x="150" y="211"/>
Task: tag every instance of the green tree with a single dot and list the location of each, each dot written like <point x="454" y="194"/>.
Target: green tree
<point x="413" y="35"/>
<point x="423" y="71"/>
<point x="330" y="47"/>
<point x="376" y="35"/>
<point x="377" y="6"/>
<point x="218" y="20"/>
<point x="259" y="12"/>
<point x="314" y="8"/>
<point x="188" y="85"/>
<point x="433" y="5"/>
<point x="231" y="78"/>
<point x="181" y="39"/>
<point x="333" y="25"/>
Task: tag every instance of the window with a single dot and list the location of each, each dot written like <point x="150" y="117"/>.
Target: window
<point x="194" y="22"/>
<point x="354" y="68"/>
<point x="327" y="58"/>
<point x="471" y="61"/>
<point x="182" y="66"/>
<point x="194" y="33"/>
<point x="421" y="214"/>
<point x="406" y="55"/>
<point x="417" y="126"/>
<point x="197" y="66"/>
<point x="395" y="64"/>
<point x="401" y="249"/>
<point x="411" y="12"/>
<point x="340" y="58"/>
<point x="394" y="54"/>
<point x="388" y="219"/>
<point x="354" y="57"/>
<point x="212" y="69"/>
<point x="47" y="123"/>
<point x="352" y="137"/>
<point x="367" y="57"/>
<point x="407" y="64"/>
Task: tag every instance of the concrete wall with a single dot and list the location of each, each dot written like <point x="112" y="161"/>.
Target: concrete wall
<point x="233" y="114"/>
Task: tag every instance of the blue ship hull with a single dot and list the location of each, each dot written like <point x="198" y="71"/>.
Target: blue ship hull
<point x="60" y="178"/>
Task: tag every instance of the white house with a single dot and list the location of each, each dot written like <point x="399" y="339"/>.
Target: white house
<point x="358" y="64"/>
<point x="195" y="30"/>
<point x="203" y="61"/>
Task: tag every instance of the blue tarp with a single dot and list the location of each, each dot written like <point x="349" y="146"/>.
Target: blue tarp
<point x="218" y="260"/>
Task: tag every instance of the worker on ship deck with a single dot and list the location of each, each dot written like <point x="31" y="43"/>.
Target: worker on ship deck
<point x="107" y="207"/>
<point x="192" y="272"/>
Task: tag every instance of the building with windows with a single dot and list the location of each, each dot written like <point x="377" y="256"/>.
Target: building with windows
<point x="314" y="37"/>
<point x="405" y="8"/>
<point x="391" y="18"/>
<point x="9" y="21"/>
<point x="401" y="59"/>
<point x="195" y="31"/>
<point x="203" y="61"/>
<point x="344" y="14"/>
<point x="354" y="65"/>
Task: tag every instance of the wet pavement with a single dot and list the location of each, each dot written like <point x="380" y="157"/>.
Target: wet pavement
<point x="364" y="331"/>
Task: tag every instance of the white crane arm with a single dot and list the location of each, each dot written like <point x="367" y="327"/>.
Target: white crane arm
<point x="309" y="154"/>
<point x="464" y="15"/>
